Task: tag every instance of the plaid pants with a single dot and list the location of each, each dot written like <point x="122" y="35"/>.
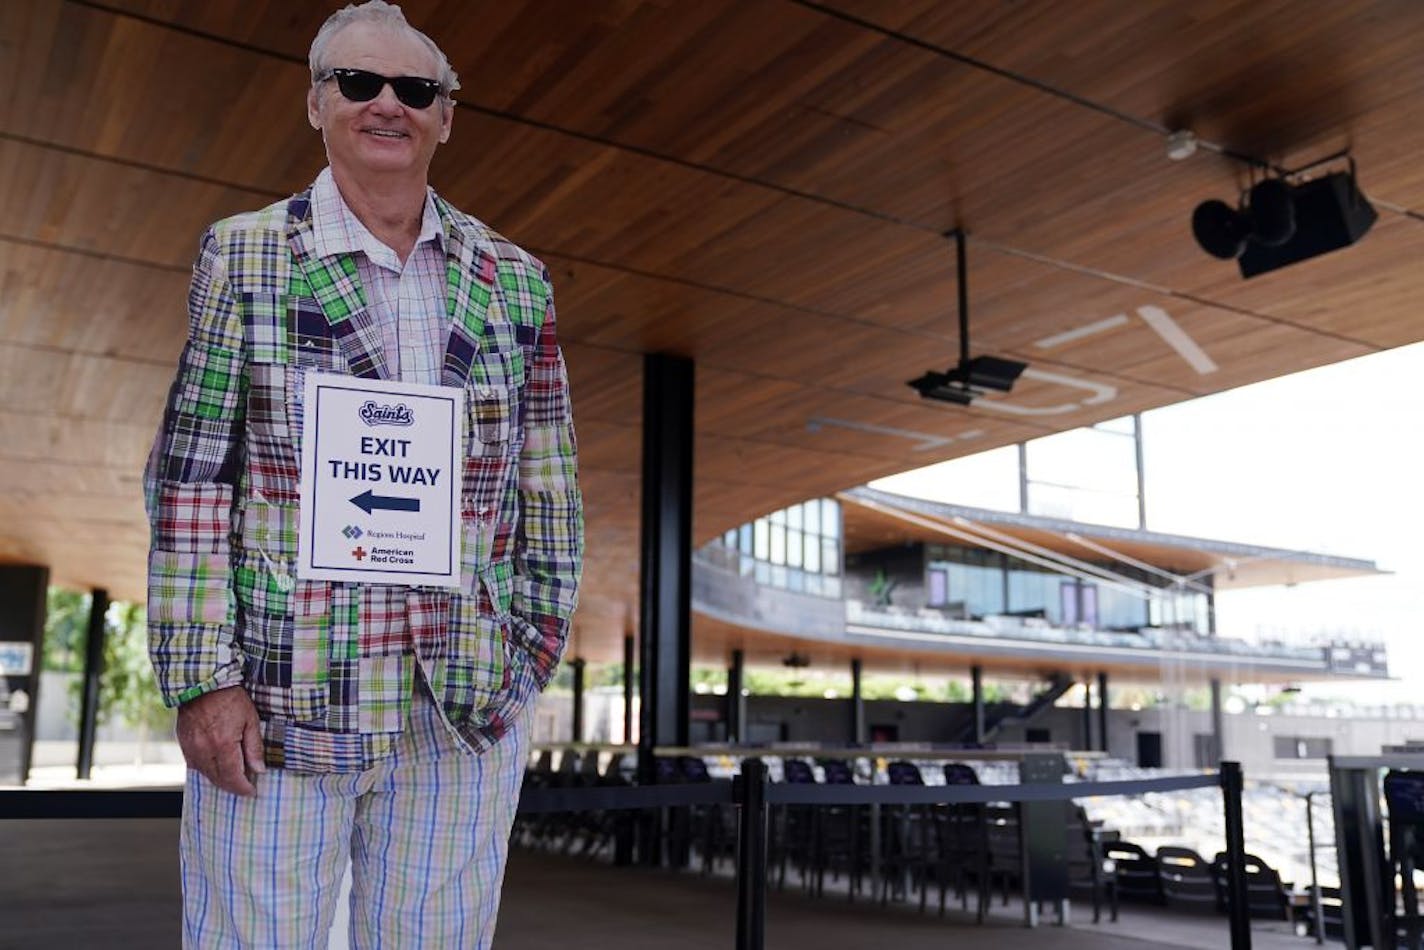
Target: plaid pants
<point x="426" y="831"/>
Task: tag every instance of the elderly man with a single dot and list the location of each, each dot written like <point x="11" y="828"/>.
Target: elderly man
<point x="331" y="719"/>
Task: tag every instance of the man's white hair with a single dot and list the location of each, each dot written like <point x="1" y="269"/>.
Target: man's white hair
<point x="385" y="15"/>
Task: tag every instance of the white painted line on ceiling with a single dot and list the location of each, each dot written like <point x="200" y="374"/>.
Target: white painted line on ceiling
<point x="1174" y="336"/>
<point x="1077" y="333"/>
<point x="1100" y="393"/>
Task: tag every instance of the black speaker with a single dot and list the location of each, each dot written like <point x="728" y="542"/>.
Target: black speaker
<point x="1330" y="213"/>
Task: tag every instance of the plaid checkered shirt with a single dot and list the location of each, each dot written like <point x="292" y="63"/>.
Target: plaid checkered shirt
<point x="331" y="665"/>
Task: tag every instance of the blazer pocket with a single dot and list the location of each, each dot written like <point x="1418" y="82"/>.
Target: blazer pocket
<point x="493" y="394"/>
<point x="491" y="416"/>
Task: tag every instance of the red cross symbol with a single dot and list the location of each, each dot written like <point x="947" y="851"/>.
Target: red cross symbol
<point x="359" y="553"/>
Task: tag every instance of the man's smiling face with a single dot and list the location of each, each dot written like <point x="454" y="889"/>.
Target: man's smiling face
<point x="382" y="136"/>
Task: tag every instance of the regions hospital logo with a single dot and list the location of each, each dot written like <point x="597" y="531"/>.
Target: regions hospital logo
<point x="381" y="414"/>
<point x="352" y="532"/>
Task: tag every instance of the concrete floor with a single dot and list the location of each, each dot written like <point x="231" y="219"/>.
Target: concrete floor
<point x="114" y="884"/>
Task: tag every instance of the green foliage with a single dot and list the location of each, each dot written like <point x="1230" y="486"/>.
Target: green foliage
<point x="66" y="629"/>
<point x="127" y="688"/>
<point x="881" y="588"/>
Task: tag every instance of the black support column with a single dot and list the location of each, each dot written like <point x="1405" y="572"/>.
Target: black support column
<point x="1088" y="714"/>
<point x="629" y="660"/>
<point x="857" y="704"/>
<point x="666" y="562"/>
<point x="23" y="590"/>
<point x="578" y="665"/>
<point x="1103" y="710"/>
<point x="976" y="680"/>
<point x="93" y="670"/>
<point x="736" y="702"/>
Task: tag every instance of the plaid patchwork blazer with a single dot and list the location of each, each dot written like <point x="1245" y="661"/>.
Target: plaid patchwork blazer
<point x="328" y="664"/>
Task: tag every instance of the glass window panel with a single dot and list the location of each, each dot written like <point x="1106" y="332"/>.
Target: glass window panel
<point x="813" y="584"/>
<point x="938" y="588"/>
<point x="730" y="538"/>
<point x="830" y="557"/>
<point x="831" y="518"/>
<point x="778" y="544"/>
<point x="745" y="539"/>
<point x="796" y="580"/>
<point x="793" y="517"/>
<point x="812" y="517"/>
<point x="762" y="547"/>
<point x="1032" y="590"/>
<point x="1085" y="458"/>
<point x="795" y="544"/>
<point x="831" y="586"/>
<point x="778" y="576"/>
<point x="778" y="517"/>
<point x="813" y="553"/>
<point x="1088" y="603"/>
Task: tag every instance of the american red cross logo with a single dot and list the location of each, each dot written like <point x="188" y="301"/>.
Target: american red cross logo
<point x="359" y="552"/>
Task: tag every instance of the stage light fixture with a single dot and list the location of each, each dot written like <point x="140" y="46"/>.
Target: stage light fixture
<point x="972" y="377"/>
<point x="1285" y="219"/>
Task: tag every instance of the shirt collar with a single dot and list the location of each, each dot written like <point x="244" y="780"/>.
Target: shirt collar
<point x="337" y="230"/>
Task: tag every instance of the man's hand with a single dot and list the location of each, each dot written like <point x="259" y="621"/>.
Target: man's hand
<point x="218" y="733"/>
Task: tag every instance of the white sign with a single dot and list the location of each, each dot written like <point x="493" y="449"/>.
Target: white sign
<point x="380" y="491"/>
<point x="16" y="658"/>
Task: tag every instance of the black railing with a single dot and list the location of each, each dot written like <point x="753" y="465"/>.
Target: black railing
<point x="752" y="794"/>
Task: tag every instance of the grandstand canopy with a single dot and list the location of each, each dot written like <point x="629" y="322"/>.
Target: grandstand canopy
<point x="877" y="519"/>
<point x="760" y="185"/>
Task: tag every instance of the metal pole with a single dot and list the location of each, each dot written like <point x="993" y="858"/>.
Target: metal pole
<point x="751" y="856"/>
<point x="577" y="665"/>
<point x="976" y="676"/>
<point x="1237" y="907"/>
<point x="1088" y="714"/>
<point x="1218" y="721"/>
<point x="736" y="702"/>
<point x="857" y="704"/>
<point x="1315" y="909"/>
<point x="93" y="669"/>
<point x="1103" y="711"/>
<point x="1141" y="472"/>
<point x="1023" y="494"/>
<point x="629" y="646"/>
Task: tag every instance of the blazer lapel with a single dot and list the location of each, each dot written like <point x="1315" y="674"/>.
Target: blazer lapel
<point x="333" y="282"/>
<point x="469" y="284"/>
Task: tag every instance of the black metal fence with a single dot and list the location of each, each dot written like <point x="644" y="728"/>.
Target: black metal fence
<point x="752" y="794"/>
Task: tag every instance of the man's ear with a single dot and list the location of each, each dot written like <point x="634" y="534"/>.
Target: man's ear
<point x="447" y="115"/>
<point x="313" y="109"/>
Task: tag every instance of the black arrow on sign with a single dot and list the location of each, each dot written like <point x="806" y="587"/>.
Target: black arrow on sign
<point x="368" y="502"/>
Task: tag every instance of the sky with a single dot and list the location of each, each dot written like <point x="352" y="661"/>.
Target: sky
<point x="1328" y="460"/>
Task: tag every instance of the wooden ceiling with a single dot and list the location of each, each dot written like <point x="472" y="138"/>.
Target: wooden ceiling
<point x="760" y="185"/>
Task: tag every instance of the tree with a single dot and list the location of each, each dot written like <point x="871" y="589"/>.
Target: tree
<point x="66" y="627"/>
<point x="127" y="688"/>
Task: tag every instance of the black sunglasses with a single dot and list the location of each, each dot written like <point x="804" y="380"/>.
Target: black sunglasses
<point x="358" y="85"/>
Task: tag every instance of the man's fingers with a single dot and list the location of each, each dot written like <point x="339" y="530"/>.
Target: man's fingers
<point x="230" y="775"/>
<point x="252" y="746"/>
